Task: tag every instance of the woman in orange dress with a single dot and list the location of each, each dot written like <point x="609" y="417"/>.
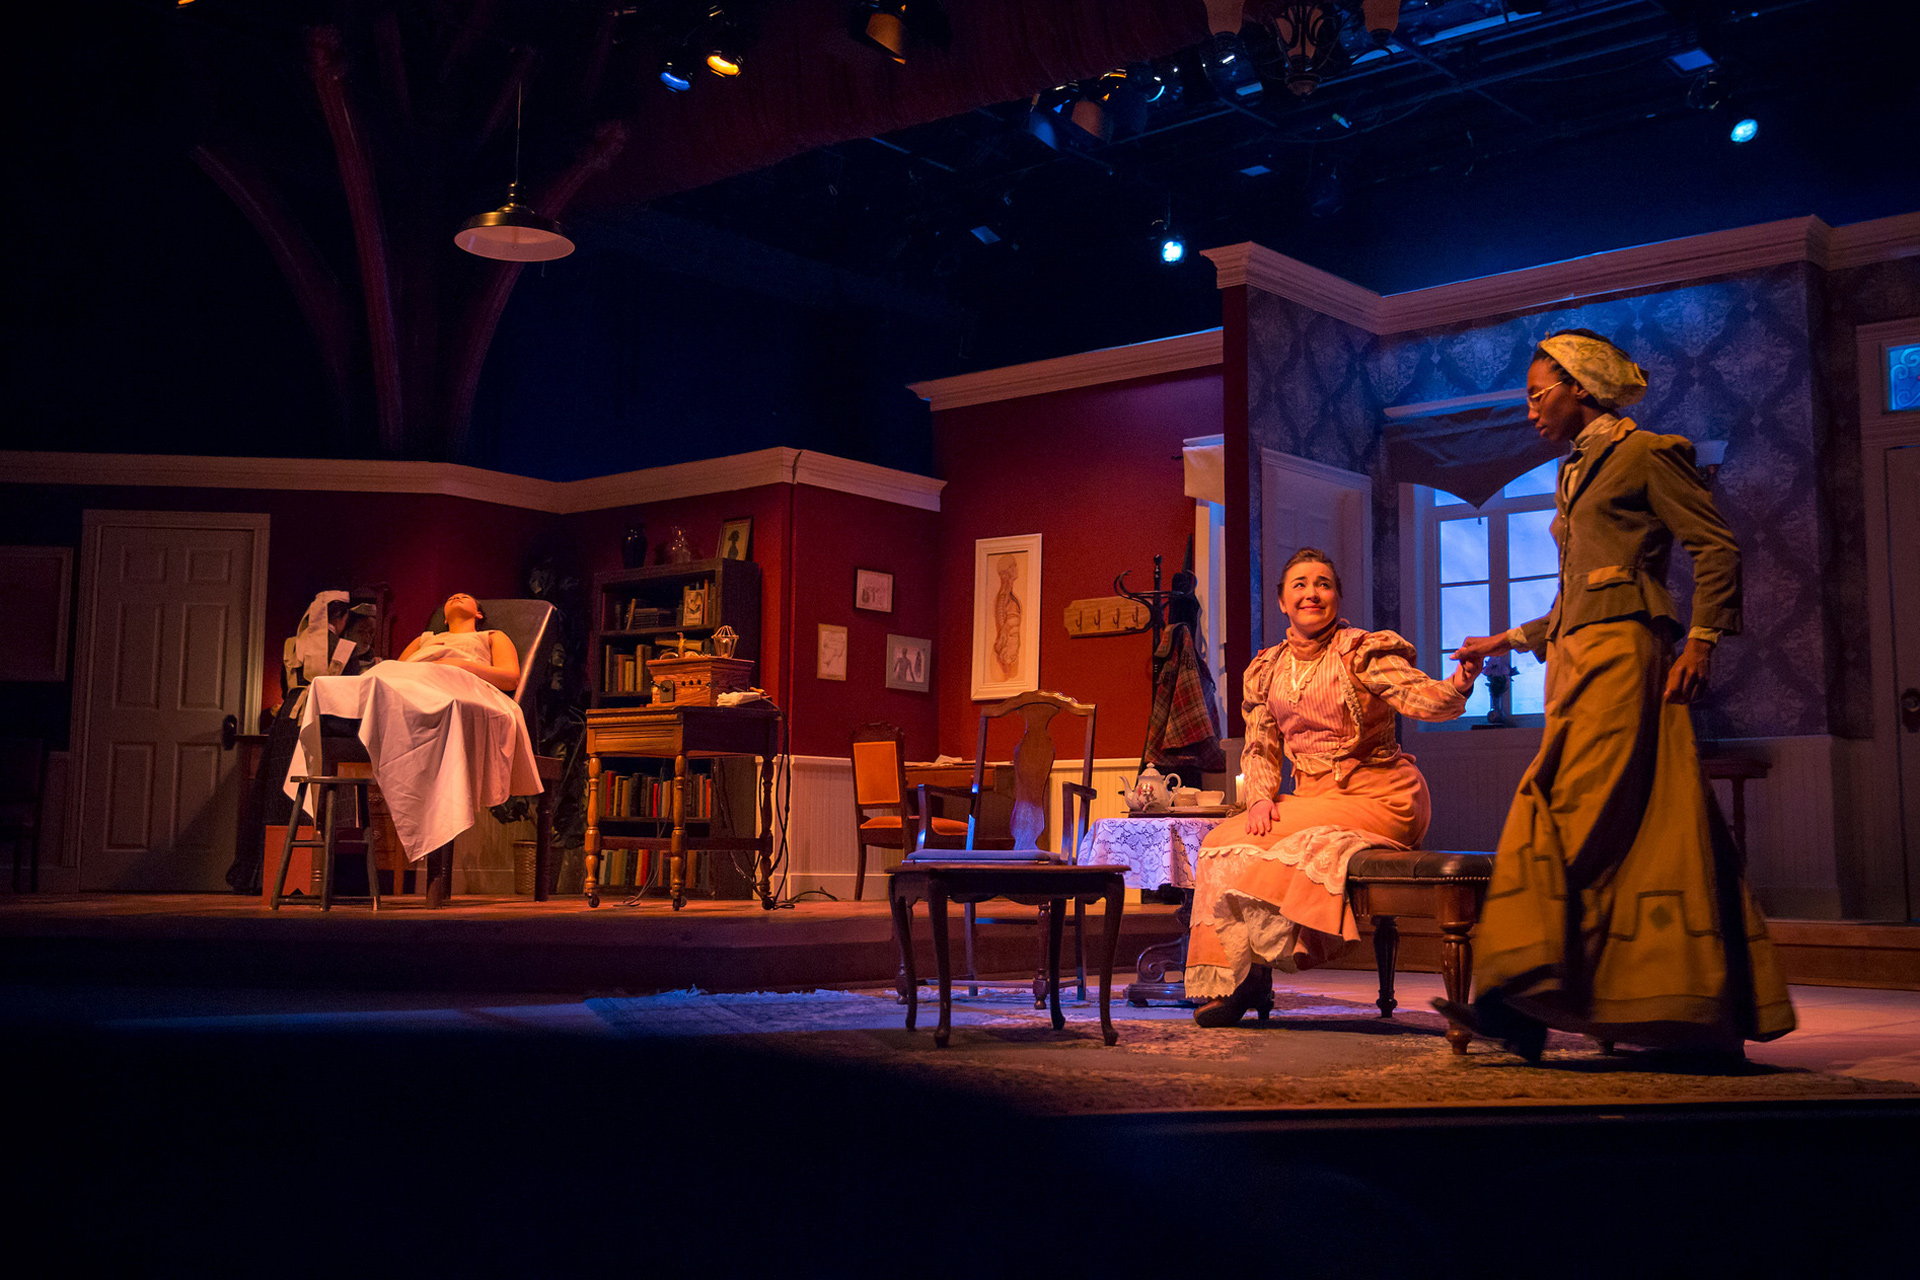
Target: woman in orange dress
<point x="1270" y="884"/>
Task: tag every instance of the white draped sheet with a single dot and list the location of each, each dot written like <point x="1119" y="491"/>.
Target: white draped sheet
<point x="444" y="743"/>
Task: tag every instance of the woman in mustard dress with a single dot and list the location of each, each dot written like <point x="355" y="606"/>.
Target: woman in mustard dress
<point x="1270" y="884"/>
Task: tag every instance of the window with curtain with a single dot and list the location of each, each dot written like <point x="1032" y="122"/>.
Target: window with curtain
<point x="1484" y="569"/>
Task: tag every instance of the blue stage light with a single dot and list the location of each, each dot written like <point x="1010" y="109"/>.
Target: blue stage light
<point x="673" y="81"/>
<point x="1745" y="130"/>
<point x="1172" y="249"/>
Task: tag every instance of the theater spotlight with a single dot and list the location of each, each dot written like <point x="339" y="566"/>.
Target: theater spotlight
<point x="1745" y="130"/>
<point x="677" y="71"/>
<point x="1173" y="250"/>
<point x="723" y="43"/>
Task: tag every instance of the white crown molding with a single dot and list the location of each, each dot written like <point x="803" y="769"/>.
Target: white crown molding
<point x="1275" y="273"/>
<point x="679" y="480"/>
<point x="826" y="471"/>
<point x="1089" y="368"/>
<point x="630" y="488"/>
<point x="1881" y="240"/>
<point x="1668" y="262"/>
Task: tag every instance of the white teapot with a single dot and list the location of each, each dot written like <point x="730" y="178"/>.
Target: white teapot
<point x="1150" y="789"/>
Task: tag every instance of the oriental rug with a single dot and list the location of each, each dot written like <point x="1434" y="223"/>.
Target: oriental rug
<point x="1317" y="1051"/>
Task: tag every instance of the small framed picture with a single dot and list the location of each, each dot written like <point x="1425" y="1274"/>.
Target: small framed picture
<point x="831" y="662"/>
<point x="909" y="663"/>
<point x="873" y="590"/>
<point x="693" y="605"/>
<point x="736" y="539"/>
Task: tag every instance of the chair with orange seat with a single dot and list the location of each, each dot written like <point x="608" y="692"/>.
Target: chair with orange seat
<point x="885" y="812"/>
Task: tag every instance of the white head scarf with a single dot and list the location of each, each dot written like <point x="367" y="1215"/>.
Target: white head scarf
<point x="1600" y="367"/>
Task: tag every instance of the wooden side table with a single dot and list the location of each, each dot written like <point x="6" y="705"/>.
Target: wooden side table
<point x="680" y="734"/>
<point x="1737" y="770"/>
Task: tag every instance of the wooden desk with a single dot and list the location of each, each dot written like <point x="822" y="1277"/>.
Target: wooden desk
<point x="679" y="734"/>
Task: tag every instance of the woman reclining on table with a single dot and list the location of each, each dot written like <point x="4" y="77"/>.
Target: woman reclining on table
<point x="1270" y="885"/>
<point x="487" y="654"/>
<point x="444" y="737"/>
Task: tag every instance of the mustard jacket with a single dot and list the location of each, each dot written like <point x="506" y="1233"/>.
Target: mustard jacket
<point x="1616" y="530"/>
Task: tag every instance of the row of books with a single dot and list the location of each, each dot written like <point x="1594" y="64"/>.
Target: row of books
<point x="623" y="672"/>
<point x="642" y="795"/>
<point x="639" y="868"/>
<point x="629" y="614"/>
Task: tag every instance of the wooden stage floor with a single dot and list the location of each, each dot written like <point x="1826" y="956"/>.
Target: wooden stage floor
<point x="503" y="944"/>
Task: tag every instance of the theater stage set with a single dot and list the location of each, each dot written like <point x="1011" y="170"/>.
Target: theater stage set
<point x="810" y="379"/>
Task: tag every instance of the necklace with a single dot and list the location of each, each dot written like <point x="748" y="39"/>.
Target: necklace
<point x="1297" y="675"/>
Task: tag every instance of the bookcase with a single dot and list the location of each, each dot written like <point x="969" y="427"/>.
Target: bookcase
<point x="633" y="770"/>
<point x="635" y="610"/>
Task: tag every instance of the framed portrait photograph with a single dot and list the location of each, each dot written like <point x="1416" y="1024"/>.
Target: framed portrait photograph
<point x="873" y="590"/>
<point x="736" y="539"/>
<point x="693" y="605"/>
<point x="909" y="663"/>
<point x="1006" y="616"/>
<point x="830" y="661"/>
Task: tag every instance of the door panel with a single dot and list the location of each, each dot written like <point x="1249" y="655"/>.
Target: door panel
<point x="1903" y="551"/>
<point x="169" y="663"/>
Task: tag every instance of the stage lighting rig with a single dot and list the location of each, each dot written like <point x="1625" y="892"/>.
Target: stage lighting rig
<point x="893" y="27"/>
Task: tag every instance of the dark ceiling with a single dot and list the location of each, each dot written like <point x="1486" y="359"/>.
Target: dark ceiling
<point x="883" y="223"/>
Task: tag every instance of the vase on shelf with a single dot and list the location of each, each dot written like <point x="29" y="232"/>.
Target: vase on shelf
<point x="633" y="547"/>
<point x="678" y="552"/>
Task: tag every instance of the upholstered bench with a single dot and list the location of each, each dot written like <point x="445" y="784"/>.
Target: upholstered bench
<point x="1385" y="884"/>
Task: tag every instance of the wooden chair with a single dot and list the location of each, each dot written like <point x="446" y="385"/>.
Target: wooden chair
<point x="532" y="626"/>
<point x="880" y="786"/>
<point x="1033" y="758"/>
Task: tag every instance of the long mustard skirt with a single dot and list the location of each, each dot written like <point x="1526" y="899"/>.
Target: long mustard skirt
<point x="1618" y="906"/>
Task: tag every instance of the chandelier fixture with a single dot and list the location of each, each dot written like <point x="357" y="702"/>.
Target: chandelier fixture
<point x="1309" y="35"/>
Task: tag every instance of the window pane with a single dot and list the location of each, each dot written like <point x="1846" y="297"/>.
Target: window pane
<point x="1539" y="480"/>
<point x="1463" y="550"/>
<point x="1529" y="598"/>
<point x="1463" y="613"/>
<point x="1479" y="702"/>
<point x="1903" y="377"/>
<point x="1527" y="695"/>
<point x="1530" y="546"/>
<point x="1441" y="498"/>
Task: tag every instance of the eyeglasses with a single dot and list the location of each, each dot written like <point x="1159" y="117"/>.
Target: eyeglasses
<point x="1533" y="397"/>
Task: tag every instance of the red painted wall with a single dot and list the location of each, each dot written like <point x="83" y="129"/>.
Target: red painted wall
<point x="425" y="546"/>
<point x="816" y="538"/>
<point x="597" y="537"/>
<point x="1096" y="472"/>
<point x="835" y="534"/>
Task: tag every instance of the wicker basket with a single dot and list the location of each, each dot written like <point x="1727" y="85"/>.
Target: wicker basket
<point x="698" y="681"/>
<point x="525" y="854"/>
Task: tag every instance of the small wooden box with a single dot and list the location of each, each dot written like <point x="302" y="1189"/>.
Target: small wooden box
<point x="699" y="681"/>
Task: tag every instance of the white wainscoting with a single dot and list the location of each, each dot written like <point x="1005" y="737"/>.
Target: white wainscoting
<point x="1794" y="825"/>
<point x="820" y="829"/>
<point x="1472" y="775"/>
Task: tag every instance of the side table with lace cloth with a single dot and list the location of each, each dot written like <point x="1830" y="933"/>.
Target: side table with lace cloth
<point x="1156" y="849"/>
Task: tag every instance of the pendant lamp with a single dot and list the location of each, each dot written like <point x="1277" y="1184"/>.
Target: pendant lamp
<point x="514" y="232"/>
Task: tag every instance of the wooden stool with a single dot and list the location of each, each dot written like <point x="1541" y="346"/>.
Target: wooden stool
<point x="1448" y="887"/>
<point x="326" y="829"/>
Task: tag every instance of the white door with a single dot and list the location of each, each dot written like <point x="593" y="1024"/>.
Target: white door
<point x="1903" y="545"/>
<point x="170" y="616"/>
<point x="1309" y="504"/>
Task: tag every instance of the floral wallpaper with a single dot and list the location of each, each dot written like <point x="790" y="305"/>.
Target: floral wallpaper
<point x="1762" y="360"/>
